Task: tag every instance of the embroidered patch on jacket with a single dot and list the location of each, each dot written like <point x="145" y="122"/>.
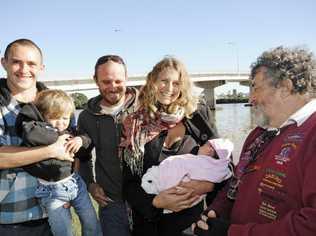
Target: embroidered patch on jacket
<point x="286" y="151"/>
<point x="272" y="192"/>
<point x="294" y="138"/>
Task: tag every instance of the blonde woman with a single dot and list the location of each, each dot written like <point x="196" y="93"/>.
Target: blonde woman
<point x="169" y="121"/>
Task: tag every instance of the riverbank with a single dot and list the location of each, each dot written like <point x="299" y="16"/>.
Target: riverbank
<point x="231" y="100"/>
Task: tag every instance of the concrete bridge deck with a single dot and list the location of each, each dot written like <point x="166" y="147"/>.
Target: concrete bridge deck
<point x="207" y="81"/>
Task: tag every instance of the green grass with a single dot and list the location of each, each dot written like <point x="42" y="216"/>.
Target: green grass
<point x="76" y="226"/>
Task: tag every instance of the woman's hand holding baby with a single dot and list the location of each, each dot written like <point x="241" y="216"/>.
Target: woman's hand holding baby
<point x="199" y="187"/>
<point x="175" y="199"/>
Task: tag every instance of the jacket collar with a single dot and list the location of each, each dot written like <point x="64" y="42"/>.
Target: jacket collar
<point x="300" y="116"/>
<point x="93" y="105"/>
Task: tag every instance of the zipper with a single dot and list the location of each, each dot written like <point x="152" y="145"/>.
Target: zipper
<point x="98" y="130"/>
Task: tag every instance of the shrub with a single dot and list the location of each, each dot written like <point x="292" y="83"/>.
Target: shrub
<point x="80" y="100"/>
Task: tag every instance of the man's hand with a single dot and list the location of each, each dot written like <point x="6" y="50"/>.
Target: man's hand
<point x="202" y="222"/>
<point x="58" y="150"/>
<point x="211" y="225"/>
<point x="98" y="194"/>
<point x="211" y="214"/>
<point x="74" y="144"/>
<point x="67" y="205"/>
<point x="67" y="157"/>
<point x="175" y="199"/>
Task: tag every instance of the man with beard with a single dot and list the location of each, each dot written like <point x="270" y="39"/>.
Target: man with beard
<point x="273" y="191"/>
<point x="102" y="121"/>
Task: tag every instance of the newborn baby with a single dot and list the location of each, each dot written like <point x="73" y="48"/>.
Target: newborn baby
<point x="211" y="164"/>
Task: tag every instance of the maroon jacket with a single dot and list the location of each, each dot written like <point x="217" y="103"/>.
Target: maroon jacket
<point x="279" y="198"/>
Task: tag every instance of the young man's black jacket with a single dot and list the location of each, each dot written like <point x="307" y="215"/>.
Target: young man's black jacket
<point x="34" y="131"/>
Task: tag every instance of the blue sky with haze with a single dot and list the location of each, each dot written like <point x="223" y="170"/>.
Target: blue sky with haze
<point x="73" y="34"/>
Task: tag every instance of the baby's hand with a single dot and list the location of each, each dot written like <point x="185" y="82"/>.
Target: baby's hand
<point x="73" y="144"/>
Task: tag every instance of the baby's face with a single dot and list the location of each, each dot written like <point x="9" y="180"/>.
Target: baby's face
<point x="60" y="123"/>
<point x="206" y="149"/>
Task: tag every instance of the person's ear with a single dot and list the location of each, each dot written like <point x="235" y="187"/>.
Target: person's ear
<point x="286" y="88"/>
<point x="42" y="67"/>
<point x="3" y="63"/>
<point x="95" y="79"/>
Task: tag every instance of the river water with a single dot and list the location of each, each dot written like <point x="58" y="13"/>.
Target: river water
<point x="233" y="121"/>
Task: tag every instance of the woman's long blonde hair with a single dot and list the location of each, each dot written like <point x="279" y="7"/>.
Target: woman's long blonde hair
<point x="186" y="100"/>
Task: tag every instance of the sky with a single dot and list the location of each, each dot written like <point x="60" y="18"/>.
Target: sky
<point x="206" y="35"/>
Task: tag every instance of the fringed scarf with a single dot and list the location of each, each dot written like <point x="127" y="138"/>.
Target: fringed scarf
<point x="139" y="129"/>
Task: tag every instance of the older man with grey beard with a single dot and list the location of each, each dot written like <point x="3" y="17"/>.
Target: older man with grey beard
<point x="273" y="191"/>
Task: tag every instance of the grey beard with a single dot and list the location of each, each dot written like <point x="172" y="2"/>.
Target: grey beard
<point x="259" y="118"/>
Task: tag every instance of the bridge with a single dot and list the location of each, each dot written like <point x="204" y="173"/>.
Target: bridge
<point x="207" y="81"/>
